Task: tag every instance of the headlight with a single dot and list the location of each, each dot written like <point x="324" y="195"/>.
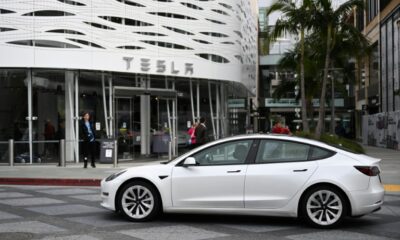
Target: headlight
<point x="114" y="176"/>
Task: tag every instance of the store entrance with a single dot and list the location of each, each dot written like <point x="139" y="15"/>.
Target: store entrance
<point x="145" y="122"/>
<point x="127" y="126"/>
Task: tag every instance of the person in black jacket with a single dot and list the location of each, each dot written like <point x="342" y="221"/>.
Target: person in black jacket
<point x="89" y="140"/>
<point x="201" y="132"/>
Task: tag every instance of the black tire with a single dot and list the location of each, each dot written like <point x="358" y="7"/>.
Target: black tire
<point x="138" y="210"/>
<point x="327" y="212"/>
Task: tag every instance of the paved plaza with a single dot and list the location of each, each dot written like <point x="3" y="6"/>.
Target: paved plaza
<point x="72" y="213"/>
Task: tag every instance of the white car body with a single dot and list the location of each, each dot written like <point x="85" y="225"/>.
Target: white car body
<point x="271" y="189"/>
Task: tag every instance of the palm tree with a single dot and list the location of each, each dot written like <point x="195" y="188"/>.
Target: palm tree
<point x="331" y="23"/>
<point x="296" y="20"/>
<point x="290" y="61"/>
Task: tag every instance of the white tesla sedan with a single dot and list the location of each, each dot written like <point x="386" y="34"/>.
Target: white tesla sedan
<point x="268" y="175"/>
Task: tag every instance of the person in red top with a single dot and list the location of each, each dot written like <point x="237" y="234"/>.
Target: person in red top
<point x="279" y="129"/>
<point x="192" y="135"/>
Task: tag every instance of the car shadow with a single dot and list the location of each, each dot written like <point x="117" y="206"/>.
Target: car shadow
<point x="227" y="219"/>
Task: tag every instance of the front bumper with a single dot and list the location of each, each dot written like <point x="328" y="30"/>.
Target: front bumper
<point x="108" y="193"/>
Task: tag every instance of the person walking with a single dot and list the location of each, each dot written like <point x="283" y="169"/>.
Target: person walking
<point x="192" y="135"/>
<point x="89" y="140"/>
<point x="201" y="132"/>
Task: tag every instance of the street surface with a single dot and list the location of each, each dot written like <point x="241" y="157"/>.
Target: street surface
<point x="69" y="213"/>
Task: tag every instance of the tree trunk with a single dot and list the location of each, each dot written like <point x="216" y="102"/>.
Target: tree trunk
<point x="321" y="117"/>
<point x="304" y="119"/>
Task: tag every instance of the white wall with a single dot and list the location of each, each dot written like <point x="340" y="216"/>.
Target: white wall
<point x="239" y="47"/>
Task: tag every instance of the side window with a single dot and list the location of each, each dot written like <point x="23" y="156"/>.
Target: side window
<point x="234" y="152"/>
<point x="281" y="151"/>
<point x="319" y="153"/>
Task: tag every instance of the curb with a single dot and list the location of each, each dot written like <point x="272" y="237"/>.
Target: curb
<point x="391" y="187"/>
<point x="51" y="182"/>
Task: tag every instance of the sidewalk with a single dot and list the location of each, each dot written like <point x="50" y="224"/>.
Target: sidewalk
<point x="76" y="175"/>
<point x="71" y="175"/>
<point x="390" y="166"/>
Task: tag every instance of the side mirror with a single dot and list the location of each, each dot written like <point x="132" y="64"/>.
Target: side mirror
<point x="190" y="161"/>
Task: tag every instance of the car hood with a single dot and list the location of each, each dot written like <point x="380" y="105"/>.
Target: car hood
<point x="152" y="169"/>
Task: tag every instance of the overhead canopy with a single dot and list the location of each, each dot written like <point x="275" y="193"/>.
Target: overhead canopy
<point x="122" y="91"/>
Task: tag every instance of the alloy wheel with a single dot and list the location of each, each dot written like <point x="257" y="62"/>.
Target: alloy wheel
<point x="324" y="207"/>
<point x="137" y="202"/>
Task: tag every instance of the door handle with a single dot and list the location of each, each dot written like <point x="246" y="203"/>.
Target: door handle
<point x="237" y="171"/>
<point x="300" y="170"/>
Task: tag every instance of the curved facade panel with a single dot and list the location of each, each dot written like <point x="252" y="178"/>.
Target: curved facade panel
<point x="215" y="39"/>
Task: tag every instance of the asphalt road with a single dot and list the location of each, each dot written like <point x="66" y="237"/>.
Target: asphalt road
<point x="69" y="213"/>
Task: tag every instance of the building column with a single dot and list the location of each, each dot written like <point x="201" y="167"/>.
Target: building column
<point x="145" y="121"/>
<point x="70" y="116"/>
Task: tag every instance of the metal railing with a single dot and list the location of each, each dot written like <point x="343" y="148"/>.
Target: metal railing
<point x="9" y="153"/>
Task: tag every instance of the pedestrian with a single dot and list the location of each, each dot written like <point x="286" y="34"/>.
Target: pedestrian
<point x="49" y="135"/>
<point x="340" y="130"/>
<point x="191" y="132"/>
<point x="89" y="140"/>
<point x="279" y="129"/>
<point x="201" y="132"/>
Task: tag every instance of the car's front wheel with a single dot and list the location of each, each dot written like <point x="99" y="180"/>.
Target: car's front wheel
<point x="323" y="207"/>
<point x="139" y="201"/>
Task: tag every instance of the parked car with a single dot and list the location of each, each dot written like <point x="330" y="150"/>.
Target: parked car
<point x="270" y="175"/>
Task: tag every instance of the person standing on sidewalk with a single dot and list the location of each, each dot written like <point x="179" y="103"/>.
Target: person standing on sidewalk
<point x="89" y="140"/>
<point x="201" y="132"/>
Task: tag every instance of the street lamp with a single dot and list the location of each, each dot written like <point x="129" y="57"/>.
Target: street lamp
<point x="297" y="110"/>
<point x="332" y="128"/>
<point x="332" y="104"/>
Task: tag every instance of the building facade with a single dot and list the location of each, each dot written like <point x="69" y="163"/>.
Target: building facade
<point x="143" y="70"/>
<point x="377" y="93"/>
<point x="270" y="75"/>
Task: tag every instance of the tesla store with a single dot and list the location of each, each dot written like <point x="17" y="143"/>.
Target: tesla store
<point x="144" y="70"/>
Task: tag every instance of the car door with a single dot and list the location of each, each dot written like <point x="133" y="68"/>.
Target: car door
<point x="217" y="179"/>
<point x="280" y="170"/>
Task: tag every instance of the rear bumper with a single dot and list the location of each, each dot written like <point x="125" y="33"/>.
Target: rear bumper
<point x="367" y="201"/>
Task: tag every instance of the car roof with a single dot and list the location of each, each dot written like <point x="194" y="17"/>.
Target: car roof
<point x="278" y="137"/>
<point x="261" y="136"/>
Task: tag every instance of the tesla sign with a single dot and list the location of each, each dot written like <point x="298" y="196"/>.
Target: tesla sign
<point x="160" y="66"/>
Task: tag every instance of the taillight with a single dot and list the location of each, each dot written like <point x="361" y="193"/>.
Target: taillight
<point x="368" y="170"/>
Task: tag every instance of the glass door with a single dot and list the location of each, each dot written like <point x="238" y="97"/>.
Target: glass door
<point x="14" y="122"/>
<point x="126" y="133"/>
<point x="48" y="105"/>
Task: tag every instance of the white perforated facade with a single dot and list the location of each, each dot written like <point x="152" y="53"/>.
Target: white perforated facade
<point x="206" y="39"/>
<point x="143" y="70"/>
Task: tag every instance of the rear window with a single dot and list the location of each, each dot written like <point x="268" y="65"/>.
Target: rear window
<point x="341" y="147"/>
<point x="320" y="153"/>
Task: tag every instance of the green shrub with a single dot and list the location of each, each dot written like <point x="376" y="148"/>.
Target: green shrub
<point x="335" y="141"/>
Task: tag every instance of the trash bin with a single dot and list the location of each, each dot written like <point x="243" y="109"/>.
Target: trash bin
<point x="160" y="143"/>
<point x="107" y="150"/>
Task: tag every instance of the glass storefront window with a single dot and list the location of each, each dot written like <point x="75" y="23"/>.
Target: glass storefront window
<point x="58" y="98"/>
<point x="13" y="123"/>
<point x="48" y="105"/>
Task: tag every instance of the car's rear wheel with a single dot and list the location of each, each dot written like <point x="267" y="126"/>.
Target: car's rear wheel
<point x="324" y="207"/>
<point x="139" y="201"/>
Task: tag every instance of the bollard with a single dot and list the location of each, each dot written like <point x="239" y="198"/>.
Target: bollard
<point x="115" y="153"/>
<point x="62" y="162"/>
<point x="169" y="151"/>
<point x="11" y="152"/>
